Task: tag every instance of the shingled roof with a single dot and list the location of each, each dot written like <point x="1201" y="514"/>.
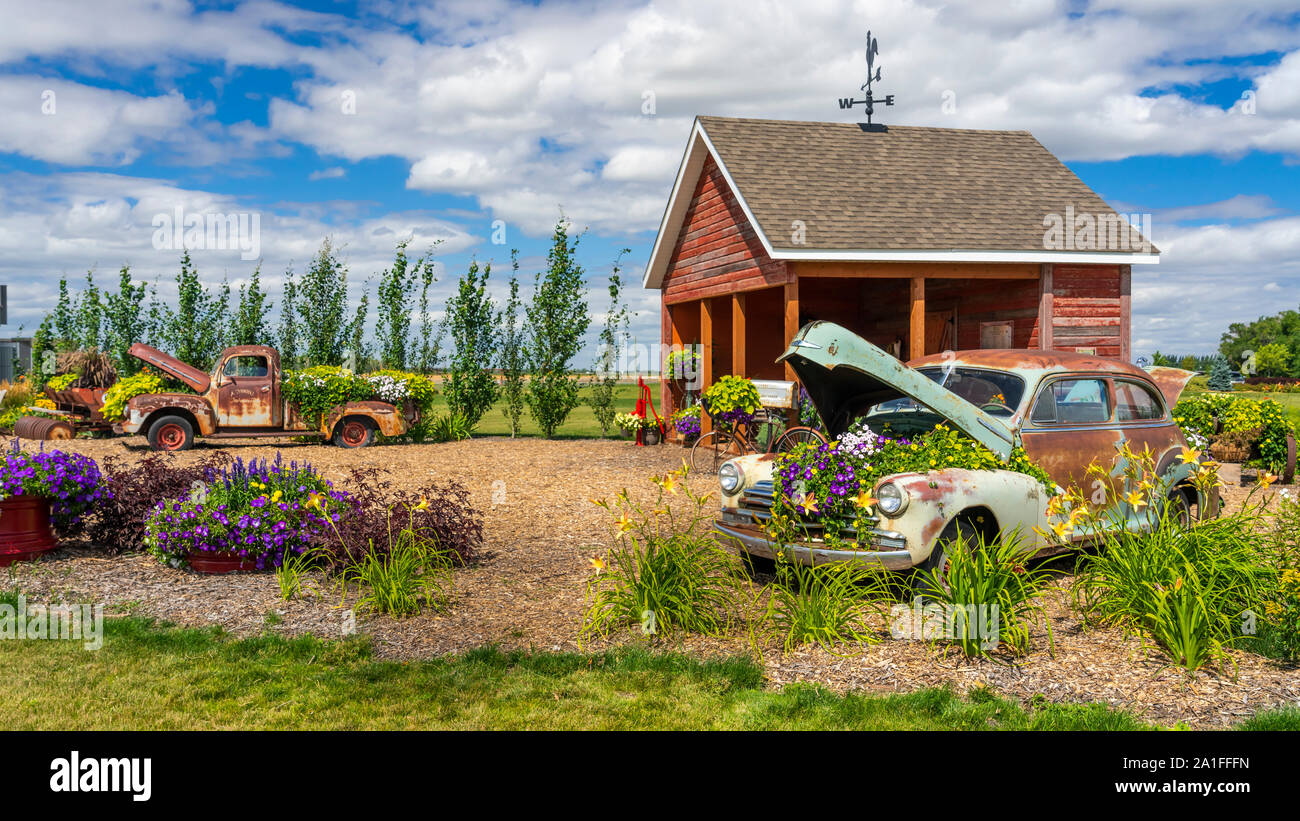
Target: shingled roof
<point x="904" y="193"/>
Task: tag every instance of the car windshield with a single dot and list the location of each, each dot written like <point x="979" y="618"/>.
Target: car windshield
<point x="998" y="393"/>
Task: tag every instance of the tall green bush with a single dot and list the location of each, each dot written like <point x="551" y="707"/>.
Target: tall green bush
<point x="558" y="320"/>
<point x="470" y="388"/>
<point x="601" y="394"/>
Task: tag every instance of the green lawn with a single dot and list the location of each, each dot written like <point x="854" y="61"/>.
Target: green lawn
<point x="148" y="676"/>
<point x="580" y="424"/>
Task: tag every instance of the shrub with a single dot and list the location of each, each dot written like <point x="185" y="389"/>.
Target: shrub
<point x="664" y="572"/>
<point x="71" y="482"/>
<point x="825" y="604"/>
<point x="1262" y="422"/>
<point x="261" y="511"/>
<point x="133" y="490"/>
<point x="315" y="391"/>
<point x="440" y="512"/>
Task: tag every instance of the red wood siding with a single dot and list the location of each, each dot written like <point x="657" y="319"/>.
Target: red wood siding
<point x="1087" y="308"/>
<point x="717" y="251"/>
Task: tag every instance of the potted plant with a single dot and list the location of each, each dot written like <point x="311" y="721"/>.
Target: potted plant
<point x="40" y="494"/>
<point x="732" y="400"/>
<point x="629" y="423"/>
<point x="248" y="516"/>
<point x="686" y="421"/>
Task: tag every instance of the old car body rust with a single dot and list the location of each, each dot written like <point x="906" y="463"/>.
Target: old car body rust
<point x="245" y="397"/>
<point x="822" y="354"/>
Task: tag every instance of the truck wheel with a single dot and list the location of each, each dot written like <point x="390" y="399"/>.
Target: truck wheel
<point x="171" y="433"/>
<point x="354" y="432"/>
<point x="1180" y="509"/>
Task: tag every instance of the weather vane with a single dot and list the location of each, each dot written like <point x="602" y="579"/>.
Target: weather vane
<point x="873" y="76"/>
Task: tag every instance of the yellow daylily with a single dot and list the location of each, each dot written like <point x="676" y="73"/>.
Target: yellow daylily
<point x="865" y="499"/>
<point x="598" y="563"/>
<point x="1266" y="479"/>
<point x="669" y="483"/>
<point x="423" y="505"/>
<point x="808" y="503"/>
<point x="315" y="500"/>
<point x="1136" y="500"/>
<point x="624" y="524"/>
<point x="1189" y="455"/>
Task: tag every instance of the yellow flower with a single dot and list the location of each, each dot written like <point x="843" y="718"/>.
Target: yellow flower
<point x="1266" y="479"/>
<point x="1178" y="584"/>
<point x="1136" y="500"/>
<point x="598" y="563"/>
<point x="423" y="505"/>
<point x="808" y="503"/>
<point x="669" y="483"/>
<point x="624" y="524"/>
<point x="315" y="500"/>
<point x="1062" y="529"/>
<point x="1189" y="455"/>
<point x="865" y="499"/>
<point x="275" y="497"/>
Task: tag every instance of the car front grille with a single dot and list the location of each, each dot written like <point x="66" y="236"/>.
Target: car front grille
<point x="755" y="507"/>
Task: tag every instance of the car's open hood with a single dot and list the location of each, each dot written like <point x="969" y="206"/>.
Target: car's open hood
<point x="840" y="370"/>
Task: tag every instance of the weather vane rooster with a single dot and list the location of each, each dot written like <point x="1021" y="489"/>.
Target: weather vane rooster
<point x="873" y="76"/>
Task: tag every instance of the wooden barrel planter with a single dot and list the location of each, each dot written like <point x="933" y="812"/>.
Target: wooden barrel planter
<point x="25" y="531"/>
<point x="217" y="562"/>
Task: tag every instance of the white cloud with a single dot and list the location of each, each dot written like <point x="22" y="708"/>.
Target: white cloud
<point x="333" y="173"/>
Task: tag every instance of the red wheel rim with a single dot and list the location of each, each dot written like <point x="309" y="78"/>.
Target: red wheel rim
<point x="171" y="436"/>
<point x="354" y="434"/>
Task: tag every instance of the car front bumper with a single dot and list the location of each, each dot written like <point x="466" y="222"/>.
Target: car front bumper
<point x="753" y="541"/>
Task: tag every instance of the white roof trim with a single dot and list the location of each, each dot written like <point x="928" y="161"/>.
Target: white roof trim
<point x="684" y="188"/>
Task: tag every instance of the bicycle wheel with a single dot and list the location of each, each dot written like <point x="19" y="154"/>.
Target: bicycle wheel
<point x="712" y="449"/>
<point x="798" y="436"/>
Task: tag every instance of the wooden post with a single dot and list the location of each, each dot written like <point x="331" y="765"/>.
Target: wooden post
<point x="668" y="337"/>
<point x="791" y="328"/>
<point x="1046" y="307"/>
<point x="1126" y="313"/>
<point x="738" y="335"/>
<point x="916" y="340"/>
<point x="706" y="356"/>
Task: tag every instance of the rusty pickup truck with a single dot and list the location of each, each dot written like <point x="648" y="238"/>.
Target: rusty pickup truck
<point x="241" y="398"/>
<point x="1066" y="410"/>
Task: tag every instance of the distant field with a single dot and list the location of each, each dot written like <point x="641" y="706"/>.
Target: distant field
<point x="581" y="423"/>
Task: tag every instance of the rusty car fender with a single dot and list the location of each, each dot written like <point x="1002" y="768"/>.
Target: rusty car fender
<point x="387" y="418"/>
<point x="141" y="409"/>
<point x="935" y="499"/>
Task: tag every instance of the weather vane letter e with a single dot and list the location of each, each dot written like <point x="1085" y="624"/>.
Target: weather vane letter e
<point x="873" y="76"/>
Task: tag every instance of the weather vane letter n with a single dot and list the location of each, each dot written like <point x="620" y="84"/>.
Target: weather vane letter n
<point x="873" y="76"/>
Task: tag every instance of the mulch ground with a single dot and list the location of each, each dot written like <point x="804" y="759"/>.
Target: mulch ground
<point x="526" y="591"/>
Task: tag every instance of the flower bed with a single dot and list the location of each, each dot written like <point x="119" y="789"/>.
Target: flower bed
<point x="831" y="482"/>
<point x="258" y="511"/>
<point x="316" y="390"/>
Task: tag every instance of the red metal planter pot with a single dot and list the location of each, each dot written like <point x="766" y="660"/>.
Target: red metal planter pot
<point x="25" y="529"/>
<point x="217" y="562"/>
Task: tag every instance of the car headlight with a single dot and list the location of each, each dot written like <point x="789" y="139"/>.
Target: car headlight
<point x="891" y="500"/>
<point x="730" y="478"/>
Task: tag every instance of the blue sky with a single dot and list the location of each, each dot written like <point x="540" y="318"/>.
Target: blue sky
<point x="374" y="121"/>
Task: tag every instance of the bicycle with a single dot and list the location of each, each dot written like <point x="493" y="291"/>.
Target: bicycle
<point x="721" y="444"/>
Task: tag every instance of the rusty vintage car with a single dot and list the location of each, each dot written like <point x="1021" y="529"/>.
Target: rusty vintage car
<point x="1067" y="411"/>
<point x="241" y="398"/>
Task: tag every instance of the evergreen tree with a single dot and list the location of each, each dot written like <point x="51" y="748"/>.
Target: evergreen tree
<point x="1220" y="375"/>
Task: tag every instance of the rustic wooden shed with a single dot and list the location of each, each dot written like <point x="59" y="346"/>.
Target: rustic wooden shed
<point x="919" y="239"/>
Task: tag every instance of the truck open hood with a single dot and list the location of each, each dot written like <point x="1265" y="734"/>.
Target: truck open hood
<point x="841" y="370"/>
<point x="170" y="365"/>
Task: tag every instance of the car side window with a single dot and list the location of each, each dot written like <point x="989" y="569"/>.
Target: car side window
<point x="1135" y="402"/>
<point x="1072" y="401"/>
